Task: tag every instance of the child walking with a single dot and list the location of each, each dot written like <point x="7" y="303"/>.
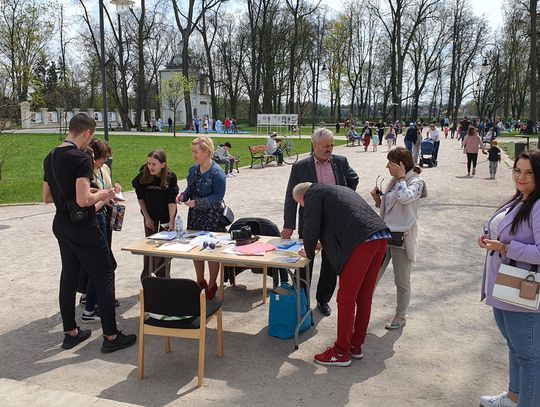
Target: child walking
<point x="375" y="141"/>
<point x="494" y="158"/>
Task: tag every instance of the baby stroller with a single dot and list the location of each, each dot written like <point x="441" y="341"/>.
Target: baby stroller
<point x="426" y="153"/>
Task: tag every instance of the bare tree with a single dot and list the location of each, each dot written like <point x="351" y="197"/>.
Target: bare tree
<point x="187" y="23"/>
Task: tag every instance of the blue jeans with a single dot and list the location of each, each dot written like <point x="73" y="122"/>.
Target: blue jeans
<point x="408" y="145"/>
<point x="279" y="154"/>
<point x="522" y="333"/>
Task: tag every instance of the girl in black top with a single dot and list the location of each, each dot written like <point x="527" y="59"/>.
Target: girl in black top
<point x="156" y="188"/>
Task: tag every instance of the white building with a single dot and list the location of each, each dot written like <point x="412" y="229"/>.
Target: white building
<point x="200" y="94"/>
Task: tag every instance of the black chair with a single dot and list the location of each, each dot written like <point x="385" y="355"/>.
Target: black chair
<point x="188" y="310"/>
<point x="259" y="226"/>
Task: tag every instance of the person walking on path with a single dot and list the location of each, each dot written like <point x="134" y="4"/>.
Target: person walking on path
<point x="170" y="123"/>
<point x="513" y="235"/>
<point x="435" y="134"/>
<point x="471" y="145"/>
<point x="324" y="168"/>
<point x="355" y="239"/>
<point x="494" y="158"/>
<point x="66" y="182"/>
<point x="400" y="207"/>
<point x="410" y="137"/>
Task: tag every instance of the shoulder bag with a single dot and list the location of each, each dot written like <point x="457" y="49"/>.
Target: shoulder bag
<point x="517" y="286"/>
<point x="227" y="216"/>
<point x="77" y="214"/>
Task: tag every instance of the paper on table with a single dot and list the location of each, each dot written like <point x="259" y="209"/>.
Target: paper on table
<point x="293" y="249"/>
<point x="119" y="197"/>
<point x="199" y="240"/>
<point x="164" y="235"/>
<point x="176" y="247"/>
<point x="231" y="250"/>
<point x="198" y="233"/>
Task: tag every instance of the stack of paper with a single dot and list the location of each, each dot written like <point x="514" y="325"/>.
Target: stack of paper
<point x="176" y="247"/>
<point x="164" y="235"/>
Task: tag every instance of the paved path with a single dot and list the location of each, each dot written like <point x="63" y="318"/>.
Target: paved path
<point x="449" y="353"/>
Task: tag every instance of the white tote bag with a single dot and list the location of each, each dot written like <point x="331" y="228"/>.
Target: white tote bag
<point x="518" y="286"/>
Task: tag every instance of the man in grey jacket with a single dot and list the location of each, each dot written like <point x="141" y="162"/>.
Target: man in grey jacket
<point x="321" y="167"/>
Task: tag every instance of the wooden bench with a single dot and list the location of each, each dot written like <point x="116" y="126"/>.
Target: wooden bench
<point x="259" y="153"/>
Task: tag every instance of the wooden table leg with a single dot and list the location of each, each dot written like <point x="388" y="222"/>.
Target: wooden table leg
<point x="221" y="280"/>
<point x="265" y="274"/>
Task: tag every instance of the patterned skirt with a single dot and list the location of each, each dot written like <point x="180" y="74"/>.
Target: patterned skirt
<point x="205" y="219"/>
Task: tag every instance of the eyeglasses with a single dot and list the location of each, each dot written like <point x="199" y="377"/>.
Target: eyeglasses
<point x="379" y="185"/>
<point x="209" y="245"/>
<point x="517" y="173"/>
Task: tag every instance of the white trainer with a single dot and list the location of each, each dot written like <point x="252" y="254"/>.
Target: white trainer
<point x="501" y="400"/>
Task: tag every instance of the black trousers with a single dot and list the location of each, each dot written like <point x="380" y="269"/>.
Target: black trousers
<point x="471" y="159"/>
<point x="327" y="280"/>
<point x="84" y="245"/>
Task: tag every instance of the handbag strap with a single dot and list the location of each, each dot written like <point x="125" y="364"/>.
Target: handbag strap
<point x="533" y="269"/>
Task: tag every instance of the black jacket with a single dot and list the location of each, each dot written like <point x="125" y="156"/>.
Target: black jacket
<point x="340" y="219"/>
<point x="304" y="171"/>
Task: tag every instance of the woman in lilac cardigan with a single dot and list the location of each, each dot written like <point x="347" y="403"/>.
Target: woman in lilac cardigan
<point x="514" y="233"/>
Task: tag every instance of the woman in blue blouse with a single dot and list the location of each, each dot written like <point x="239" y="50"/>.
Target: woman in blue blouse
<point x="204" y="197"/>
<point x="514" y="234"/>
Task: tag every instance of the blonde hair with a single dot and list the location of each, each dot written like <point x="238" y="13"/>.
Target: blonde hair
<point x="205" y="144"/>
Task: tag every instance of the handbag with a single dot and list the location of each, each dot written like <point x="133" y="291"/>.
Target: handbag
<point x="396" y="239"/>
<point x="517" y="286"/>
<point x="77" y="214"/>
<point x="282" y="316"/>
<point x="227" y="216"/>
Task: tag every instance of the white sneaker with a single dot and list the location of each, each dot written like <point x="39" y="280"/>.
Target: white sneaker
<point x="501" y="400"/>
<point x="229" y="175"/>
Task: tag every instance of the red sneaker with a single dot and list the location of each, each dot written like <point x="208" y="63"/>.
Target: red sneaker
<point x="333" y="357"/>
<point x="356" y="352"/>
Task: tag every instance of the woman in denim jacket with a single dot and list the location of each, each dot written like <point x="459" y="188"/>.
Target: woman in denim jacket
<point x="514" y="233"/>
<point x="204" y="197"/>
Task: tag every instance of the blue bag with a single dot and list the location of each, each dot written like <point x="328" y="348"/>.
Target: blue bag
<point x="282" y="315"/>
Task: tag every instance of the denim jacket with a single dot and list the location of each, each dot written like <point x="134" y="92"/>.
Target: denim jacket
<point x="210" y="188"/>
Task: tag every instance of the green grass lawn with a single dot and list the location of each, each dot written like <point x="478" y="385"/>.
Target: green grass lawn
<point x="22" y="174"/>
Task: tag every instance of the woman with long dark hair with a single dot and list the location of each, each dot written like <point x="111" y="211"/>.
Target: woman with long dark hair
<point x="513" y="233"/>
<point x="156" y="188"/>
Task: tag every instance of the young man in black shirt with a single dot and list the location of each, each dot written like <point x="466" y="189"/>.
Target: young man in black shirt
<point x="67" y="174"/>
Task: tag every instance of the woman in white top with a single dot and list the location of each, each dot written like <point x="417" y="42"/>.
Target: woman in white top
<point x="400" y="205"/>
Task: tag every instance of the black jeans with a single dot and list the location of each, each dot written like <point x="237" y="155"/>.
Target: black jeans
<point x="84" y="244"/>
<point x="327" y="280"/>
<point x="471" y="159"/>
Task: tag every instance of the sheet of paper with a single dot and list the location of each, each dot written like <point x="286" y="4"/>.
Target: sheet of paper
<point x="176" y="247"/>
<point x="198" y="233"/>
<point x="164" y="235"/>
<point x="199" y="240"/>
<point x="293" y="249"/>
<point x="231" y="250"/>
<point x="119" y="197"/>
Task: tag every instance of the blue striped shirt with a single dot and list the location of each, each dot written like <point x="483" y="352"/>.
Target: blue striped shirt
<point x="382" y="234"/>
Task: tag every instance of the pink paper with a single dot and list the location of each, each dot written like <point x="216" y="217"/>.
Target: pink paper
<point x="254" y="248"/>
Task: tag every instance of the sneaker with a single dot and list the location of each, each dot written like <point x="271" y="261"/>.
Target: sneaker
<point x="356" y="352"/>
<point x="396" y="323"/>
<point x="333" y="357"/>
<point x="72" y="341"/>
<point x="120" y="342"/>
<point x="230" y="175"/>
<point x="473" y="171"/>
<point x="82" y="301"/>
<point x="91" y="316"/>
<point x="501" y="400"/>
<point x="468" y="174"/>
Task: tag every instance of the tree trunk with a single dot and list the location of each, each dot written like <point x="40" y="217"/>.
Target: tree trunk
<point x="533" y="63"/>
